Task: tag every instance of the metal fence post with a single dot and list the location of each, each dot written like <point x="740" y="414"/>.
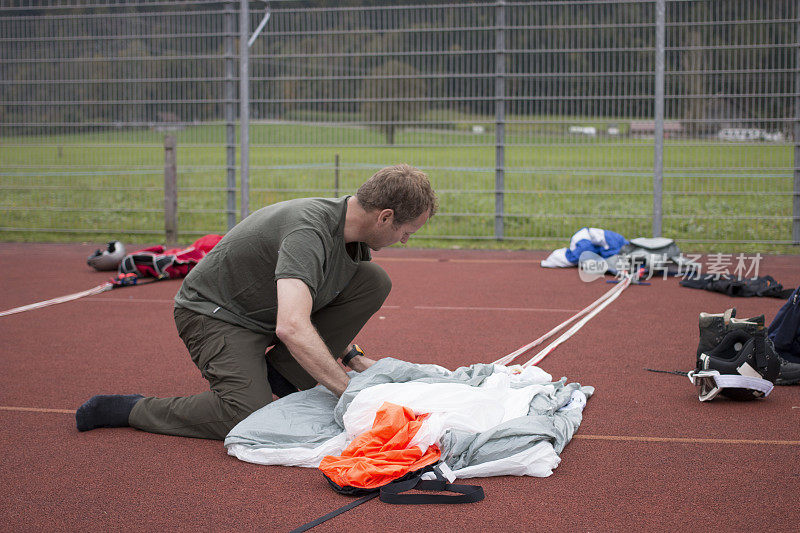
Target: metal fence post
<point x="336" y="176"/>
<point x="658" y="156"/>
<point x="170" y="191"/>
<point x="244" y="105"/>
<point x="796" y="140"/>
<point x="230" y="111"/>
<point x="500" y="119"/>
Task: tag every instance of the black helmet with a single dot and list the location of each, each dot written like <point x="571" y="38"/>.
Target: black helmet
<point x="744" y="366"/>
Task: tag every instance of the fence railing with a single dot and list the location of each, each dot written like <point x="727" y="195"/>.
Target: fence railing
<point x="533" y="119"/>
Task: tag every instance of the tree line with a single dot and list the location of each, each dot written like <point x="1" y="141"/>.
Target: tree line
<point x="133" y="63"/>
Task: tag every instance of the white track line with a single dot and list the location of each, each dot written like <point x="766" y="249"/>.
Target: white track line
<point x="530" y="309"/>
<point x="143" y="300"/>
<point x="38" y="410"/>
<point x="686" y="440"/>
<point x="579" y="436"/>
<point x="421" y="307"/>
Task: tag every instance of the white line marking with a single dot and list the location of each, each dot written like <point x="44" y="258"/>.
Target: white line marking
<point x="38" y="410"/>
<point x="616" y="438"/>
<point x="142" y="300"/>
<point x="533" y="309"/>
<point x="425" y="307"/>
<point x="686" y="440"/>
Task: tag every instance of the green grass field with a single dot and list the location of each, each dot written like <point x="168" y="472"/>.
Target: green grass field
<point x="718" y="196"/>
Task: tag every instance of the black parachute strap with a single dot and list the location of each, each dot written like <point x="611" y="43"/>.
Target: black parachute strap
<point x="158" y="262"/>
<point x="784" y="294"/>
<point x="161" y="263"/>
<point x="127" y="265"/>
<point x="676" y="372"/>
<point x="393" y="492"/>
<point x="337" y="512"/>
<point x="759" y="348"/>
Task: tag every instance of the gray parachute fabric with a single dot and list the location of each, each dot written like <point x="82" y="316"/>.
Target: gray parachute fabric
<point x="523" y="436"/>
<point x="655" y="253"/>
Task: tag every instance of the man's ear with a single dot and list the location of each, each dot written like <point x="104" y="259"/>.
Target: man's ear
<point x="386" y="215"/>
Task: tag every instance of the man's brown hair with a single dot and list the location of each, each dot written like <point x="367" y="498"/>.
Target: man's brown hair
<point x="402" y="188"/>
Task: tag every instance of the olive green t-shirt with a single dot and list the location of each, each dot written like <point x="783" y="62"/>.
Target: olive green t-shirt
<point x="302" y="239"/>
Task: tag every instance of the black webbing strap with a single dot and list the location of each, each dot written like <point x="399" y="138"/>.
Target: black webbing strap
<point x="337" y="512"/>
<point x="676" y="372"/>
<point x="393" y="493"/>
<point x="760" y="348"/>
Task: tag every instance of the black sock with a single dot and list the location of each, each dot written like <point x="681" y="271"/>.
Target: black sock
<point x="106" y="411"/>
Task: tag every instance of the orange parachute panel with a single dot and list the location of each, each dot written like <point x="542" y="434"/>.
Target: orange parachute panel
<point x="382" y="454"/>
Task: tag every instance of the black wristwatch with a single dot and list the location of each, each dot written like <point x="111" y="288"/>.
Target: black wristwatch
<point x="354" y="351"/>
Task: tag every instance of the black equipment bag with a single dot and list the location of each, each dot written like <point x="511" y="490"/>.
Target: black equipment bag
<point x="784" y="330"/>
<point x="761" y="286"/>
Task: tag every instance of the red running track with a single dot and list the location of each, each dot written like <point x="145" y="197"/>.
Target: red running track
<point x="649" y="456"/>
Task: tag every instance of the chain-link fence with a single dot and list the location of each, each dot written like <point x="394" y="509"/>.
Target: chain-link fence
<point x="89" y="92"/>
<point x="533" y="119"/>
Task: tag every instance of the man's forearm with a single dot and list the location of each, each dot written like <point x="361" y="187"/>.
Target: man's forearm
<point x="308" y="348"/>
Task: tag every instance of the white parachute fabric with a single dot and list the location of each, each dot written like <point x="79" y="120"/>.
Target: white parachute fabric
<point x="455" y="405"/>
<point x="487" y="419"/>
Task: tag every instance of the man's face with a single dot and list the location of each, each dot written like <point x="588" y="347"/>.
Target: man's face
<point x="386" y="233"/>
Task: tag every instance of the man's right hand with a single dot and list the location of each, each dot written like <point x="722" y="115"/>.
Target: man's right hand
<point x="360" y="363"/>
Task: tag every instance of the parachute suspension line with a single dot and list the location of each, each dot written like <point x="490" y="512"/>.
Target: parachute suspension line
<point x="513" y="355"/>
<point x="591" y="309"/>
<point x="552" y="346"/>
<point x="61" y="299"/>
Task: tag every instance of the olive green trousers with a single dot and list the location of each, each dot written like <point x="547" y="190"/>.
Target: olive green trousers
<point x="237" y="365"/>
